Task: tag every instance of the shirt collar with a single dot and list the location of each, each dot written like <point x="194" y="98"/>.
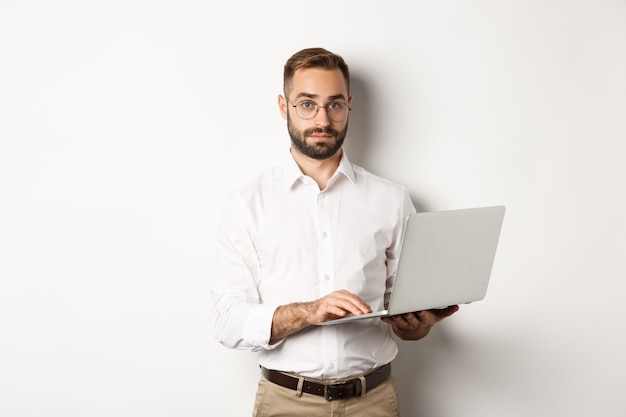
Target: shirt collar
<point x="292" y="172"/>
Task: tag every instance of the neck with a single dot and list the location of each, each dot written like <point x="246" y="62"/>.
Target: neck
<point x="321" y="170"/>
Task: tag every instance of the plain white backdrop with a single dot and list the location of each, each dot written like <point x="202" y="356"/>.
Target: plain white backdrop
<point x="124" y="123"/>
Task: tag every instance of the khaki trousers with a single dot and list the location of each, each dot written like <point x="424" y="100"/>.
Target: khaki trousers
<point x="275" y="401"/>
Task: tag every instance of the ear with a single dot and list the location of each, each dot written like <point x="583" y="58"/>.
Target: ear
<point x="282" y="106"/>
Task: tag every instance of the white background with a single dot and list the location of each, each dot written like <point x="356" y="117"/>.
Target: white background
<point x="124" y="123"/>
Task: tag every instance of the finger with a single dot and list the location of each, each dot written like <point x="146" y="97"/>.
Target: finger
<point x="338" y="306"/>
<point x="441" y="314"/>
<point x="426" y="317"/>
<point x="353" y="307"/>
<point x="334" y="311"/>
<point x="433" y="316"/>
<point x="404" y="321"/>
<point x="351" y="302"/>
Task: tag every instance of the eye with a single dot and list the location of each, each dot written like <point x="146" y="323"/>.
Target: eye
<point x="335" y="106"/>
<point x="306" y="105"/>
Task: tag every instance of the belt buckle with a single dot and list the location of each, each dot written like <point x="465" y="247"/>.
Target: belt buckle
<point x="340" y="387"/>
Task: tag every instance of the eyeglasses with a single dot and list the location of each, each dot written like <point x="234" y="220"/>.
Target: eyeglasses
<point x="307" y="109"/>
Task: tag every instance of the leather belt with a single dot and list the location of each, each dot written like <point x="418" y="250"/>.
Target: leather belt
<point x="336" y="391"/>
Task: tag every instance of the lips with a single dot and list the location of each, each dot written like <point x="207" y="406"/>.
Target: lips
<point x="321" y="137"/>
<point x="321" y="134"/>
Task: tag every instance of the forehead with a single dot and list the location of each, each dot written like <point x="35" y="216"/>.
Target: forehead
<point x="316" y="82"/>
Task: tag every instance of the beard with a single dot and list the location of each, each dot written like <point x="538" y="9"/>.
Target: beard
<point x="317" y="150"/>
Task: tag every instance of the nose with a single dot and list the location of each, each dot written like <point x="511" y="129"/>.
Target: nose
<point x="321" y="118"/>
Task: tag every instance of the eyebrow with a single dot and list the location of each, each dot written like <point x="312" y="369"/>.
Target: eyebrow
<point x="313" y="96"/>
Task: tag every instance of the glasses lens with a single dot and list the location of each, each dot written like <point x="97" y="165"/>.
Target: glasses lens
<point x="306" y="109"/>
<point x="337" y="111"/>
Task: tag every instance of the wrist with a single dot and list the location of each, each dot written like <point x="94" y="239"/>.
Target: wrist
<point x="291" y="318"/>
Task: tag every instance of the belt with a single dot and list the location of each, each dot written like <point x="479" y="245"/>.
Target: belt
<point x="336" y="391"/>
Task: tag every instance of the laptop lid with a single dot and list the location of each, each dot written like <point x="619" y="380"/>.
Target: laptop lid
<point x="446" y="259"/>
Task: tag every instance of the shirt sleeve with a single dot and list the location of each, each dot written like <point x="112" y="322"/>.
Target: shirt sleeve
<point x="393" y="252"/>
<point x="240" y="320"/>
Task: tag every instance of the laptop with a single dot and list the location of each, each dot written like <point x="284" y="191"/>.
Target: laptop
<point x="446" y="259"/>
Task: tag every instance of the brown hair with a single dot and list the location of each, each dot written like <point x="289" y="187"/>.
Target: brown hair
<point x="314" y="58"/>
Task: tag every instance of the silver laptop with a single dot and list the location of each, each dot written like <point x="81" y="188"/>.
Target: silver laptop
<point x="446" y="259"/>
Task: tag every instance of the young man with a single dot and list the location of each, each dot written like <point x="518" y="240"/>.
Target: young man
<point x="313" y="239"/>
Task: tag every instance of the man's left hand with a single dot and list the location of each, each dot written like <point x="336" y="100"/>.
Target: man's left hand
<point x="414" y="326"/>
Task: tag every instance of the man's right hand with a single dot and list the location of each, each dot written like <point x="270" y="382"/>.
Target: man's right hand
<point x="337" y="304"/>
<point x="291" y="318"/>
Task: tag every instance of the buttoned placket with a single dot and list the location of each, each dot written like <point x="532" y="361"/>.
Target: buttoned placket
<point x="326" y="276"/>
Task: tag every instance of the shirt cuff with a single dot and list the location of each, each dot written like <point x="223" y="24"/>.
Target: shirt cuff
<point x="258" y="327"/>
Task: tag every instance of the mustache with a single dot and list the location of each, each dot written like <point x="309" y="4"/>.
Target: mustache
<point x="318" y="130"/>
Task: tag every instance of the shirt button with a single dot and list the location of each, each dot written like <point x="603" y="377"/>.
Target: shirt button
<point x="326" y="277"/>
<point x="332" y="366"/>
<point x="324" y="234"/>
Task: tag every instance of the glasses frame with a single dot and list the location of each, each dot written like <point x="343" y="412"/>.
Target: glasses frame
<point x="317" y="109"/>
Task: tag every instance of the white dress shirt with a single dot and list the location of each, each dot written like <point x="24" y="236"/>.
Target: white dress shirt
<point x="282" y="240"/>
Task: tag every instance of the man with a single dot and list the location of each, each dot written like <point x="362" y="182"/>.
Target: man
<point x="314" y="239"/>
